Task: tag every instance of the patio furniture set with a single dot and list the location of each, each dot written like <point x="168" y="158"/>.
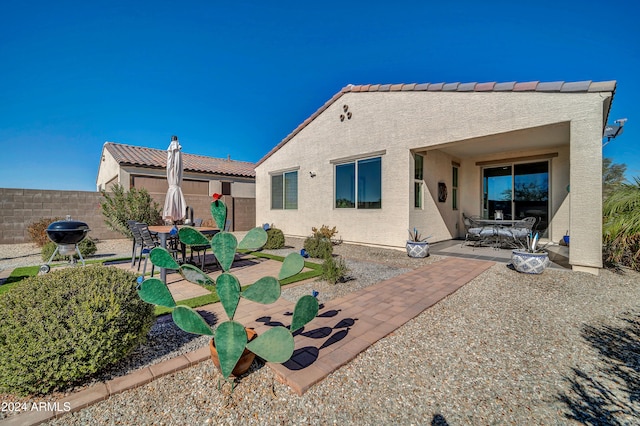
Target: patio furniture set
<point x="498" y="233"/>
<point x="146" y="238"/>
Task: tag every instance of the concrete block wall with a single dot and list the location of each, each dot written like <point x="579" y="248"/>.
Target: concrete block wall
<point x="21" y="207"/>
<point x="244" y="213"/>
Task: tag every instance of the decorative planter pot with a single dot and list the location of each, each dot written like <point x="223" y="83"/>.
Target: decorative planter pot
<point x="245" y="360"/>
<point x="417" y="248"/>
<point x="529" y="263"/>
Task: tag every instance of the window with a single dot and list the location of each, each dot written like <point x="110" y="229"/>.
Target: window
<point x="454" y="188"/>
<point x="284" y="191"/>
<point x="359" y="184"/>
<point x="418" y="175"/>
<point x="226" y="188"/>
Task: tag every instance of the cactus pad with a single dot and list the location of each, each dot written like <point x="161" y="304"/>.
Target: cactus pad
<point x="195" y="275"/>
<point x="266" y="290"/>
<point x="156" y="292"/>
<point x="219" y="213"/>
<point x="190" y="321"/>
<point x="228" y="289"/>
<point x="192" y="237"/>
<point x="293" y="264"/>
<point x="162" y="258"/>
<point x="306" y="309"/>
<point x="255" y="239"/>
<point x="231" y="339"/>
<point x="275" y="345"/>
<point x="224" y="246"/>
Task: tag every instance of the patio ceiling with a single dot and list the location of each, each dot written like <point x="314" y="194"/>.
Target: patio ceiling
<point x="535" y="138"/>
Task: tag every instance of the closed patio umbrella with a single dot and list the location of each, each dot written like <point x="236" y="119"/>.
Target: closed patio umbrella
<point x="174" y="204"/>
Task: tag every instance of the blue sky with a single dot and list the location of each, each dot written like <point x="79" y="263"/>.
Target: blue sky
<point x="235" y="78"/>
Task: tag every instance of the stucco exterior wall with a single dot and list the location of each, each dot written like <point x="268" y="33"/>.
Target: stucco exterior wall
<point x="107" y="171"/>
<point x="398" y="122"/>
<point x="434" y="218"/>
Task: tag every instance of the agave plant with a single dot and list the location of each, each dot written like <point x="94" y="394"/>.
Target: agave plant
<point x="230" y="337"/>
<point x="416" y="237"/>
<point x="532" y="243"/>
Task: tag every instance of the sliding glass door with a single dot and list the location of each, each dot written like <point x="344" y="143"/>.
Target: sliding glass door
<point x="518" y="190"/>
<point x="497" y="192"/>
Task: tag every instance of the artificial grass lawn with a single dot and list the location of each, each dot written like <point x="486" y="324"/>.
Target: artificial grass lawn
<point x="23" y="272"/>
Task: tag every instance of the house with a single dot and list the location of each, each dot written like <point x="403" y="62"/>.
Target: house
<point x="141" y="167"/>
<point x="376" y="160"/>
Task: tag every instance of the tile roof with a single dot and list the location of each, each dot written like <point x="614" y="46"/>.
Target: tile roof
<point x="512" y="86"/>
<point x="149" y="157"/>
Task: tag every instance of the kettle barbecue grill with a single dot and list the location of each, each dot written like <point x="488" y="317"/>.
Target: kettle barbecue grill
<point x="66" y="234"/>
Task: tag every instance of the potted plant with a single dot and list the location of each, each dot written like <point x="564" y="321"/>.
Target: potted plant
<point x="416" y="245"/>
<point x="232" y="343"/>
<point x="533" y="259"/>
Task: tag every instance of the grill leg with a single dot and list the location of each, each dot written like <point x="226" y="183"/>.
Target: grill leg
<point x="79" y="255"/>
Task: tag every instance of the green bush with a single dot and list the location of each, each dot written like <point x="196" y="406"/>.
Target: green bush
<point x="621" y="226"/>
<point x="119" y="206"/>
<point x="318" y="247"/>
<point x="58" y="328"/>
<point x="87" y="248"/>
<point x="38" y="230"/>
<point x="333" y="270"/>
<point x="275" y="239"/>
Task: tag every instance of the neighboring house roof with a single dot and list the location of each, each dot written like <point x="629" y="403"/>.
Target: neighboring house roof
<point x="128" y="155"/>
<point x="513" y="86"/>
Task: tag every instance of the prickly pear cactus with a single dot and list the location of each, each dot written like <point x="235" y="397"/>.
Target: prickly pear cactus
<point x="276" y="344"/>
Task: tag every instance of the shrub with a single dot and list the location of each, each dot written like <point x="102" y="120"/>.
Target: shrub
<point x="318" y="247"/>
<point x="38" y="230"/>
<point x="58" y="328"/>
<point x="324" y="231"/>
<point x="621" y="227"/>
<point x="87" y="248"/>
<point x="119" y="206"/>
<point x="333" y="270"/>
<point x="328" y="233"/>
<point x="275" y="239"/>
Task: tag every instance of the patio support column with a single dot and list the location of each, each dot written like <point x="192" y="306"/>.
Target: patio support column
<point x="585" y="252"/>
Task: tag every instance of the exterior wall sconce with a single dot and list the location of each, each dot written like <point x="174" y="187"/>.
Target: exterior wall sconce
<point x="312" y="174"/>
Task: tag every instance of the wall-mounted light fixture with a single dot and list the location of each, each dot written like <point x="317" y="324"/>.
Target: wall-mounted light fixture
<point x="612" y="131"/>
<point x="312" y="174"/>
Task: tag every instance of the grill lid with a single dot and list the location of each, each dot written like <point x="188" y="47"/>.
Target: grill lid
<point x="68" y="225"/>
<point x="67" y="231"/>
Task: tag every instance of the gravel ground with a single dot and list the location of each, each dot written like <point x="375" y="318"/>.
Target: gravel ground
<point x="559" y="348"/>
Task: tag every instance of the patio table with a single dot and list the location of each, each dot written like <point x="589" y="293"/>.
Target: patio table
<point x="497" y="225"/>
<point x="164" y="231"/>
